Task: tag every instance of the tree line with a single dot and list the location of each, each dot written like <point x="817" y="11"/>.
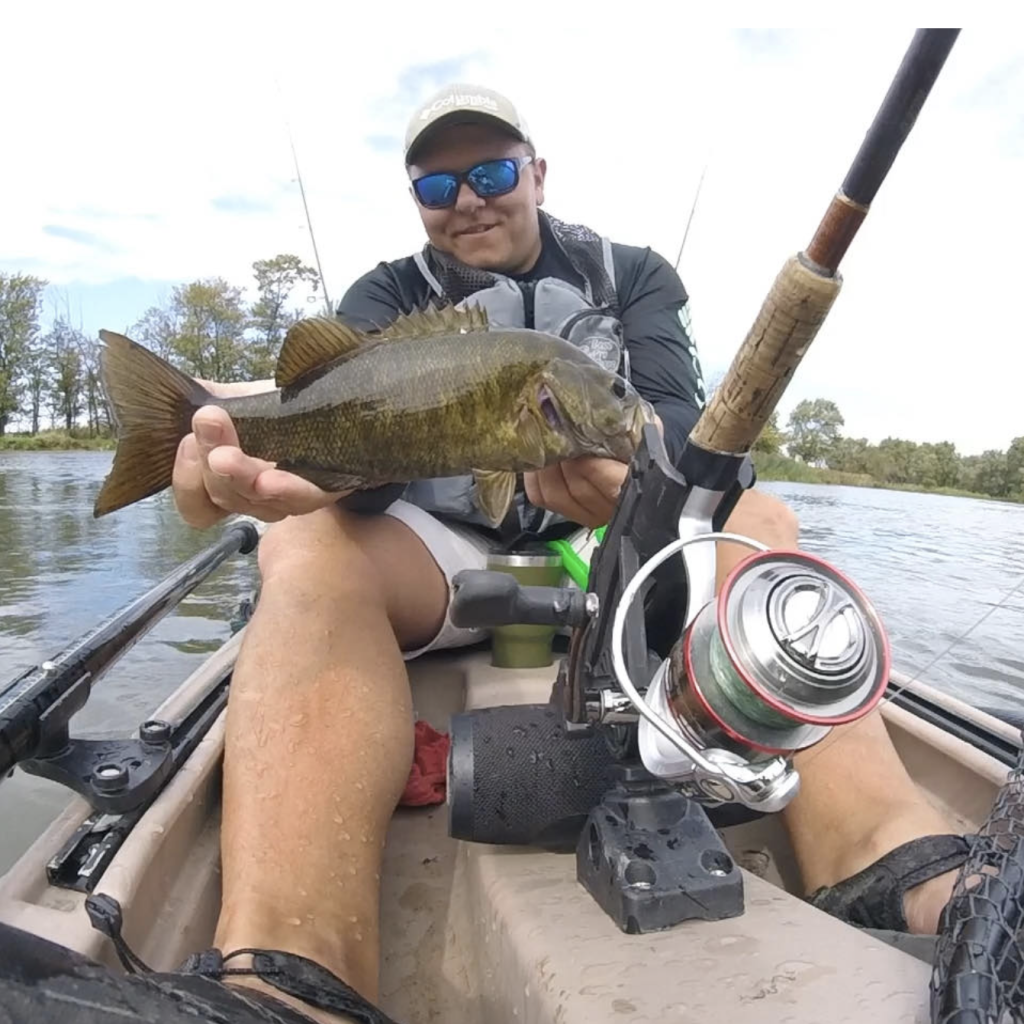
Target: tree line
<point x="206" y="329"/>
<point x="814" y="436"/>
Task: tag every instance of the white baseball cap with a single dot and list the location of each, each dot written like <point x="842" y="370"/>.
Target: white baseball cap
<point x="459" y="103"/>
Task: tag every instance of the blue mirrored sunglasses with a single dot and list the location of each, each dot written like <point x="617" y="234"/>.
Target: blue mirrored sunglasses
<point x="488" y="179"/>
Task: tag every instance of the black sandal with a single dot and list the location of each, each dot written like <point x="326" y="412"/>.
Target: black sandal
<point x="873" y="898"/>
<point x="41" y="980"/>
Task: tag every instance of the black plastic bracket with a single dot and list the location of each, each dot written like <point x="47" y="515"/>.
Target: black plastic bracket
<point x="80" y="863"/>
<point x="114" y="775"/>
<point x="646" y="518"/>
<point x="651" y="858"/>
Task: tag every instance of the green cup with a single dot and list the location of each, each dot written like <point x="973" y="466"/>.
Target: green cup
<point x="526" y="646"/>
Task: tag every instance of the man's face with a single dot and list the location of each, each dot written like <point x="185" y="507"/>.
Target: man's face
<point x="501" y="233"/>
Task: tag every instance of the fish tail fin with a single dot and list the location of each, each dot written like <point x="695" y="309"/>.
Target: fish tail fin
<point x="152" y="405"/>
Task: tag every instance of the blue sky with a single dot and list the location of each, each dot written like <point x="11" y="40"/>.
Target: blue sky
<point x="155" y="149"/>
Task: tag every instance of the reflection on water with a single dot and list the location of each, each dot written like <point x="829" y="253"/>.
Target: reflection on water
<point x="932" y="566"/>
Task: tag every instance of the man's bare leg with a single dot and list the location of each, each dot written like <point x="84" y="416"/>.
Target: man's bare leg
<point x="838" y="826"/>
<point x="320" y="738"/>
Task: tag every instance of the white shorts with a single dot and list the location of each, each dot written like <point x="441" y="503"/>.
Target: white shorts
<point x="456" y="547"/>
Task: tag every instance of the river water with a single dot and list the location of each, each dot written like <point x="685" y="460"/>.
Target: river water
<point x="932" y="565"/>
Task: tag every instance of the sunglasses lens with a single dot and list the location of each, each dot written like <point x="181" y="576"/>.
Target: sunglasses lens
<point x="436" y="190"/>
<point x="494" y="178"/>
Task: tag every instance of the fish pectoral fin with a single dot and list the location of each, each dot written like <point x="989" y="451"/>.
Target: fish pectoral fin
<point x="531" y="439"/>
<point x="314" y="342"/>
<point x="493" y="493"/>
<point x="324" y="478"/>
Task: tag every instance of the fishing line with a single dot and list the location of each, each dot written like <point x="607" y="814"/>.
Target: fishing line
<point x="814" y="751"/>
<point x="963" y="636"/>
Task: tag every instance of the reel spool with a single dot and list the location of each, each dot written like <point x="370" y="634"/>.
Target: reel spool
<point x="788" y="649"/>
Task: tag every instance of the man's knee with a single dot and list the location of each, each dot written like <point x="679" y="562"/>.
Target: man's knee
<point x="319" y="546"/>
<point x="765" y="518"/>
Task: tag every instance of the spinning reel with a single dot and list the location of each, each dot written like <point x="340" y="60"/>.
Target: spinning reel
<point x="675" y="710"/>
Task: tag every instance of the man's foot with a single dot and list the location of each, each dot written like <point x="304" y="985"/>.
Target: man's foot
<point x="900" y="878"/>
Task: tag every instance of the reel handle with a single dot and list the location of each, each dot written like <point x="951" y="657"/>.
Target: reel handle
<point x="483" y="598"/>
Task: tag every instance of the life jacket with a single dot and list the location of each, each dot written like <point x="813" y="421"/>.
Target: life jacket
<point x="588" y="318"/>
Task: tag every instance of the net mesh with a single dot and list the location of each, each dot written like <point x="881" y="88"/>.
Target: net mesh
<point x="978" y="974"/>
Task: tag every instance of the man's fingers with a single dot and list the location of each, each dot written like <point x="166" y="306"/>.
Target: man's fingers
<point x="605" y="475"/>
<point x="213" y="428"/>
<point x="189" y="487"/>
<point x="233" y="473"/>
<point x="553" y="493"/>
<point x="585" y="492"/>
<point x="279" y="487"/>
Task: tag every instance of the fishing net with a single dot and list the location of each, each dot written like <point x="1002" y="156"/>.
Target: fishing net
<point x="582" y="247"/>
<point x="978" y="974"/>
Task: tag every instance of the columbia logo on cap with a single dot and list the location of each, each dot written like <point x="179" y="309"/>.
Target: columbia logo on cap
<point x="459" y="100"/>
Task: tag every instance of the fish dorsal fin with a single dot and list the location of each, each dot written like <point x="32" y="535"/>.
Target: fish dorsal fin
<point x="313" y="342"/>
<point x="432" y="321"/>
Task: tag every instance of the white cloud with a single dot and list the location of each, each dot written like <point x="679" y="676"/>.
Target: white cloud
<point x="133" y="120"/>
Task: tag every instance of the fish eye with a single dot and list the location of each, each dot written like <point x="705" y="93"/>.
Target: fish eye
<point x="619" y="389"/>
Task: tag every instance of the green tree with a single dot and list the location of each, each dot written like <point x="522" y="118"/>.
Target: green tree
<point x="850" y="455"/>
<point x="96" y="409"/>
<point x="1015" y="468"/>
<point x="20" y="299"/>
<point x="772" y="438"/>
<point x="36" y="375"/>
<point x="897" y="460"/>
<point x="64" y="348"/>
<point x="985" y="473"/>
<point x="814" y="430"/>
<point x="201" y="331"/>
<point x="947" y="463"/>
<point x="270" y="317"/>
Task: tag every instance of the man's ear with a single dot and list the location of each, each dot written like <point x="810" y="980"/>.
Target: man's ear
<point x="539" y="167"/>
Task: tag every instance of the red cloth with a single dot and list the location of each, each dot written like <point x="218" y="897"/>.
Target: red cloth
<point x="427" y="778"/>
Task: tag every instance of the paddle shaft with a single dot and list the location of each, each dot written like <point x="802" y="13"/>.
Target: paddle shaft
<point x="36" y="707"/>
<point x="808" y="283"/>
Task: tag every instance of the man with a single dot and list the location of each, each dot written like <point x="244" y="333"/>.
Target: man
<point x="347" y="597"/>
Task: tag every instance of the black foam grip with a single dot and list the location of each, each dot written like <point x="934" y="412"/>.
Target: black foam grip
<point x="516" y="777"/>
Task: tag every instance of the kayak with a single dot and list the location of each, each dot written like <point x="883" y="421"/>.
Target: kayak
<point x="475" y="932"/>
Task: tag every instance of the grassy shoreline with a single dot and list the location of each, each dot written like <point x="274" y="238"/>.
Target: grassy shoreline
<point x="781" y="468"/>
<point x="54" y="441"/>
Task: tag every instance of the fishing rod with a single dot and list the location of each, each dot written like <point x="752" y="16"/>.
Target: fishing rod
<point x="302" y="193"/>
<point x="689" y="220"/>
<point x="36" y="707"/>
<point x="309" y="223"/>
<point x="807" y="285"/>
